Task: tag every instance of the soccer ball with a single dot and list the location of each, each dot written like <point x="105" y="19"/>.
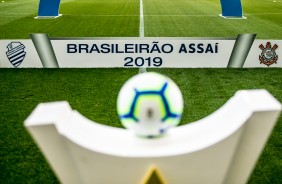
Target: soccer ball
<point x="149" y="104"/>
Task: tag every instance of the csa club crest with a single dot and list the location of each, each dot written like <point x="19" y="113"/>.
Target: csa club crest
<point x="16" y="53"/>
<point x="268" y="55"/>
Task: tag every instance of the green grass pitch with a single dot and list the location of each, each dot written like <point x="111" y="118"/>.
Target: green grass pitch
<point x="93" y="92"/>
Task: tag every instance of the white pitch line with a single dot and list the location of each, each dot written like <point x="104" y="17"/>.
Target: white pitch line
<point x="16" y="13"/>
<point x="152" y="15"/>
<point x="141" y="27"/>
<point x="100" y="15"/>
<point x="141" y="32"/>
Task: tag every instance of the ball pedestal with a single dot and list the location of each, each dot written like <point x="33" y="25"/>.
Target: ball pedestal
<point x="221" y="148"/>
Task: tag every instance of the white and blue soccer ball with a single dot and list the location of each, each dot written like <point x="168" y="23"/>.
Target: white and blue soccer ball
<point x="150" y="104"/>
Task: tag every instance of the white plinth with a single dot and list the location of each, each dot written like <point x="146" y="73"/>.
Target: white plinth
<point x="221" y="148"/>
<point x="232" y="17"/>
<point x="48" y="17"/>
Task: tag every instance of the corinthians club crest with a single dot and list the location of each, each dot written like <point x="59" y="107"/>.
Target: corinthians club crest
<point x="268" y="55"/>
<point x="16" y="53"/>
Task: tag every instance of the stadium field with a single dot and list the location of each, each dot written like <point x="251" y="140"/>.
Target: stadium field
<point x="93" y="92"/>
<point x="115" y="18"/>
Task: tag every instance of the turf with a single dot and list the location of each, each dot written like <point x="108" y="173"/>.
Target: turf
<point x="201" y="19"/>
<point x="85" y="18"/>
<point x="93" y="92"/>
<point x="117" y="18"/>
